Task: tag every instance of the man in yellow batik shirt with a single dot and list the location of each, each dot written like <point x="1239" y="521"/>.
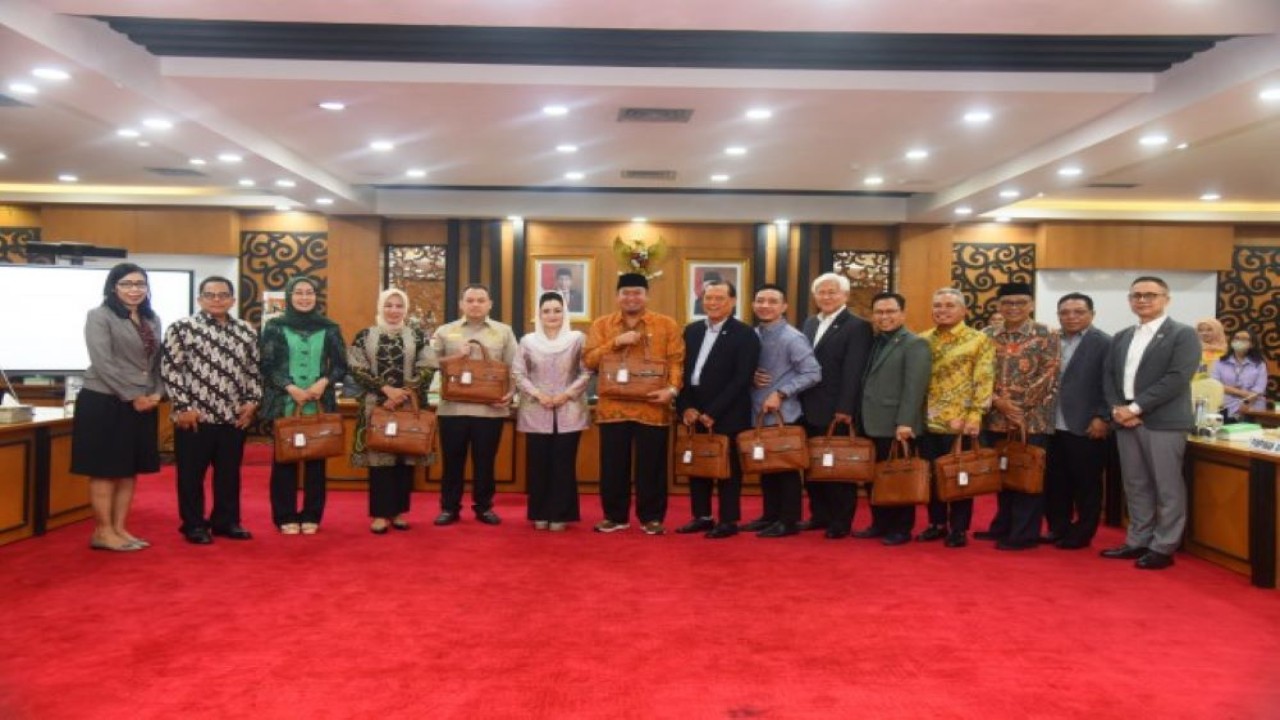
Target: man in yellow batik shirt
<point x="960" y="390"/>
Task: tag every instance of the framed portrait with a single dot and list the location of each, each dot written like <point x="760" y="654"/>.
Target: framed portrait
<point x="697" y="273"/>
<point x="572" y="277"/>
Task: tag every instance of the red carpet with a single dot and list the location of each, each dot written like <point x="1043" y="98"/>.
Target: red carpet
<point x="473" y="621"/>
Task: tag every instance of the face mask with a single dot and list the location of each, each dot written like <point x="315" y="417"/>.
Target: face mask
<point x="1240" y="345"/>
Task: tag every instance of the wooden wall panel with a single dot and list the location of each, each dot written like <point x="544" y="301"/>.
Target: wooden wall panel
<point x="1135" y="246"/>
<point x="415" y="232"/>
<point x="924" y="253"/>
<point x="273" y="221"/>
<point x="106" y="226"/>
<point x="355" y="274"/>
<point x="199" y="231"/>
<point x="19" y="216"/>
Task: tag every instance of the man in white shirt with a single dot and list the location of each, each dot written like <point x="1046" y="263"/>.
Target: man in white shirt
<point x="1147" y="383"/>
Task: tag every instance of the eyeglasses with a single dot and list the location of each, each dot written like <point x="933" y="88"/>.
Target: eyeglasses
<point x="130" y="285"/>
<point x="1144" y="297"/>
<point x="216" y="295"/>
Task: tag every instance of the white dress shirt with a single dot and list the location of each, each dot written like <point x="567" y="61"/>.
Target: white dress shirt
<point x="824" y="322"/>
<point x="713" y="332"/>
<point x="1142" y="337"/>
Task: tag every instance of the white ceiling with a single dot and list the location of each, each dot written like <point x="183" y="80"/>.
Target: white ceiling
<point x="474" y="127"/>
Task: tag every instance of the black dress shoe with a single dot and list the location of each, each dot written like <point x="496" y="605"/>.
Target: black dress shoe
<point x="931" y="533"/>
<point x="957" y="539"/>
<point x="446" y="518"/>
<point x="757" y="525"/>
<point x="1123" y="552"/>
<point x="489" y="517"/>
<point x="235" y="532"/>
<point x="808" y="525"/>
<point x="834" y="534"/>
<point x="1014" y="546"/>
<point x="723" y="530"/>
<point x="988" y="535"/>
<point x="777" y="530"/>
<point x="200" y="536"/>
<point x="1070" y="543"/>
<point x="1051" y="538"/>
<point x="871" y="532"/>
<point x="895" y="539"/>
<point x="696" y="525"/>
<point x="1154" y="561"/>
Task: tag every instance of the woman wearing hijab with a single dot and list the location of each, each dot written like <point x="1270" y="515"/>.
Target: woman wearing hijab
<point x="303" y="356"/>
<point x="1213" y="343"/>
<point x="388" y="362"/>
<point x="113" y="436"/>
<point x="1243" y="374"/>
<point x="552" y="379"/>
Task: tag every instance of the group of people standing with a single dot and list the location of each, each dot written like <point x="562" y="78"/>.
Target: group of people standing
<point x="1065" y="390"/>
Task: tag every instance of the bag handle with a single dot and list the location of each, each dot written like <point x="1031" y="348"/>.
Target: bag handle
<point x="297" y="407"/>
<point x="853" y="433"/>
<point x="958" y="446"/>
<point x="626" y="351"/>
<point x="472" y="345"/>
<point x="761" y="416"/>
<point x="1018" y="434"/>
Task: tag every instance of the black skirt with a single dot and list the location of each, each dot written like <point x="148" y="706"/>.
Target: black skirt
<point x="109" y="439"/>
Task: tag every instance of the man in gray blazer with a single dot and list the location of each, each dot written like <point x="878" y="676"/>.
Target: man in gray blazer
<point x="1148" y="386"/>
<point x="894" y="390"/>
<point x="1078" y="446"/>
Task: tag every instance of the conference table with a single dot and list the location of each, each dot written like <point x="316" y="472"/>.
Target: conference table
<point x="1232" y="510"/>
<point x="37" y="490"/>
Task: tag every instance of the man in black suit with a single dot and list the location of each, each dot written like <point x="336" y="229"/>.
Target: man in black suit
<point x="1148" y="386"/>
<point x="564" y="286"/>
<point x="841" y="343"/>
<point x="721" y="353"/>
<point x="1078" y="446"/>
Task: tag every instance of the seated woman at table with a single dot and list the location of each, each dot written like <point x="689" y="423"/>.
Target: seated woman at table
<point x="1243" y="374"/>
<point x="388" y="362"/>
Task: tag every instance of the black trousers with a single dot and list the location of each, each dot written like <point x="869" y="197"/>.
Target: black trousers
<point x="625" y="446"/>
<point x="730" y="491"/>
<point x="782" y="497"/>
<point x="284" y="493"/>
<point x="1073" y="482"/>
<point x="953" y="515"/>
<point x="552" y="460"/>
<point x="481" y="435"/>
<point x="221" y="446"/>
<point x="831" y="504"/>
<point x="1018" y="515"/>
<point x="390" y="489"/>
<point x="891" y="519"/>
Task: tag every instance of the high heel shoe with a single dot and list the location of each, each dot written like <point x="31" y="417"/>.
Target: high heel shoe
<point x="378" y="527"/>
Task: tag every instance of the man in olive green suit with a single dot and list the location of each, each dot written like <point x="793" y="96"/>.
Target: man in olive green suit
<point x="894" y="390"/>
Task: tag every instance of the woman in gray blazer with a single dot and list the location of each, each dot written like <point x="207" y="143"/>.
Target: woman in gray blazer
<point x="114" y="431"/>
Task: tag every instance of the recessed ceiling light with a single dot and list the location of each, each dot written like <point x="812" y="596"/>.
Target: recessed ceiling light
<point x="415" y="173"/>
<point x="1154" y="140"/>
<point x="759" y="114"/>
<point x="574" y="175"/>
<point x="286" y="183"/>
<point x="873" y="180"/>
<point x="917" y="154"/>
<point x="977" y="117"/>
<point x="229" y="158"/>
<point x="1070" y="171"/>
<point x="1182" y="146"/>
<point x="1270" y="94"/>
<point x="639" y="220"/>
<point x="566" y="148"/>
<point x="1210" y="197"/>
<point x="68" y="178"/>
<point x="735" y="150"/>
<point x="247" y="182"/>
<point x="555" y="110"/>
<point x="1009" y="194"/>
<point x="719" y="177"/>
<point x="283" y="208"/>
<point x="964" y="210"/>
<point x="1003" y="218"/>
<point x="144" y="143"/>
<point x="3" y="156"/>
<point x="333" y="106"/>
<point x="128" y="133"/>
<point x="382" y="145"/>
<point x="158" y="123"/>
<point x="48" y="73"/>
<point x="324" y="201"/>
<point x="197" y="161"/>
<point x="20" y="88"/>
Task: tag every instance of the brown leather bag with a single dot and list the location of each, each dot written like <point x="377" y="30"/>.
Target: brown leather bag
<point x="967" y="474"/>
<point x="626" y="377"/>
<point x="903" y="479"/>
<point x="406" y="431"/>
<point x="308" y="437"/>
<point x="468" y="379"/>
<point x="1021" y="465"/>
<point x="702" y="455"/>
<point x="841" y="458"/>
<point x="776" y="448"/>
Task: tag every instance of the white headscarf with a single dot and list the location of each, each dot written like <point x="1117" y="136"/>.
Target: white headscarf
<point x="539" y="337"/>
<point x="382" y="300"/>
